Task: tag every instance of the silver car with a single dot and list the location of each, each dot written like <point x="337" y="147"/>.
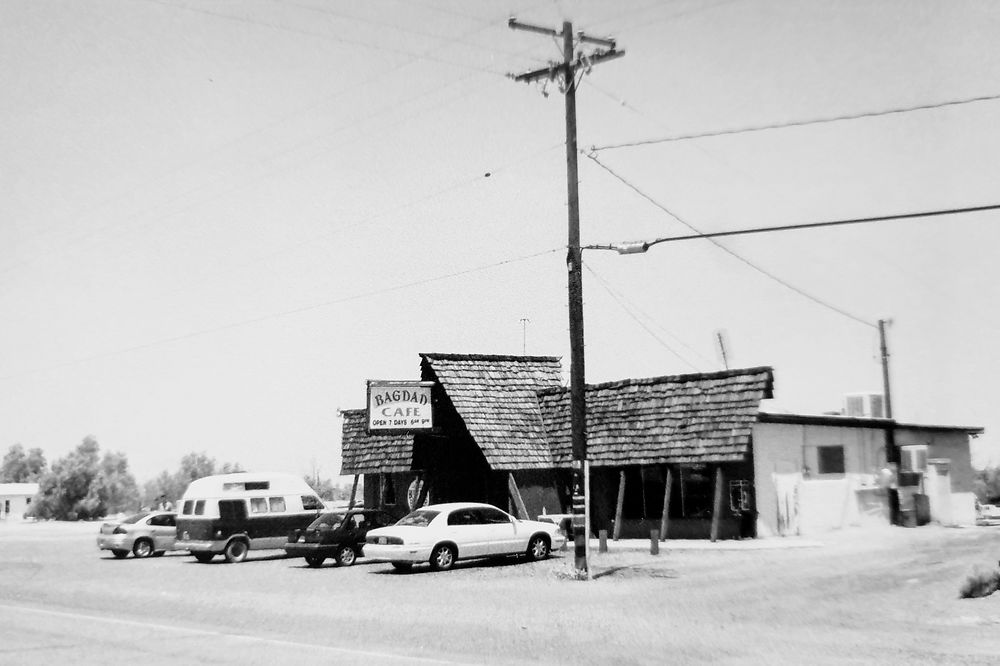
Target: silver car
<point x="144" y="534"/>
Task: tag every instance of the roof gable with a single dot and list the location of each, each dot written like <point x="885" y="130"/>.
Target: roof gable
<point x="497" y="399"/>
<point x="681" y="419"/>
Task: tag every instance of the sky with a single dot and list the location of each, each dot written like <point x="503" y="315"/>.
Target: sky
<point x="219" y="219"/>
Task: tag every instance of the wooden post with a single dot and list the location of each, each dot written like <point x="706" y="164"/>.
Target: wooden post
<point x="515" y="495"/>
<point x="602" y="539"/>
<point x="618" y="509"/>
<point x="354" y="492"/>
<point x="717" y="504"/>
<point x="665" y="517"/>
<point x="654" y="542"/>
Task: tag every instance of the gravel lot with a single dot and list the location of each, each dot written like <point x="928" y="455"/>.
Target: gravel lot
<point x="888" y="596"/>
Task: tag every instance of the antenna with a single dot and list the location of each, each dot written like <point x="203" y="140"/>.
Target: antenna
<point x="722" y="347"/>
<point x="524" y="335"/>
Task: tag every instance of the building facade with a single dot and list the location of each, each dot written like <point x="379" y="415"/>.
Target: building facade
<point x="15" y="500"/>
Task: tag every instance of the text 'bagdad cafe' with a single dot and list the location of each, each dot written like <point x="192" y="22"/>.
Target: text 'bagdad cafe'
<point x="399" y="405"/>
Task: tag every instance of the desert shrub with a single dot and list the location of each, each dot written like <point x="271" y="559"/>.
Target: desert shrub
<point x="980" y="583"/>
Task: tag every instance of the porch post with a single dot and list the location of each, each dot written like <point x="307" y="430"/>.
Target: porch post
<point x="665" y="516"/>
<point x="717" y="505"/>
<point x="618" y="509"/>
<point x="354" y="492"/>
<point x="515" y="495"/>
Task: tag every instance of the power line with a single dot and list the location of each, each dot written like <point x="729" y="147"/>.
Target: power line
<point x="645" y="245"/>
<point x="722" y="247"/>
<point x="628" y="310"/>
<point x="798" y="123"/>
<point x="284" y="313"/>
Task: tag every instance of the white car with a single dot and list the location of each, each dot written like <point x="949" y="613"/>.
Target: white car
<point x="440" y="534"/>
<point x="143" y="534"/>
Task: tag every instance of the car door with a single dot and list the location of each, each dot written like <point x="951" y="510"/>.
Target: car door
<point x="164" y="531"/>
<point x="499" y="532"/>
<point x="466" y="528"/>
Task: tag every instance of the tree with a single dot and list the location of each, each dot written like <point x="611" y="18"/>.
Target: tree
<point x="194" y="465"/>
<point x="21" y="467"/>
<point x="114" y="488"/>
<point x="987" y="485"/>
<point x="64" y="493"/>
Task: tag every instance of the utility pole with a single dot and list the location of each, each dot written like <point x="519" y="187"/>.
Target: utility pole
<point x="565" y="72"/>
<point x="891" y="450"/>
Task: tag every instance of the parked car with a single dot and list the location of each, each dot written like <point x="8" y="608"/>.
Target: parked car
<point x="441" y="534"/>
<point x="337" y="534"/>
<point x="143" y="534"/>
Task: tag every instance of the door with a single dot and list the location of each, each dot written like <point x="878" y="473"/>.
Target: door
<point x="164" y="529"/>
<point x="500" y="536"/>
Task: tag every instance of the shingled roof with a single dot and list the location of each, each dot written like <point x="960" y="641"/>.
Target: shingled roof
<point x="497" y="399"/>
<point x="363" y="453"/>
<point x="696" y="418"/>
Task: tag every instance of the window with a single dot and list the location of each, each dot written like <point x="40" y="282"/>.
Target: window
<point x="27" y="501"/>
<point x="830" y="459"/>
<point x="258" y="505"/>
<point x="162" y="521"/>
<point x="913" y="458"/>
<point x="232" y="509"/>
<point x="419" y="518"/>
<point x="188" y="508"/>
<point x="464" y="517"/>
<point x="199" y="507"/>
<point x="277" y="504"/>
<point x="494" y="516"/>
<point x="311" y="502"/>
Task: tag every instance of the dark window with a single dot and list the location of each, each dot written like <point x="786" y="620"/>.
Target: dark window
<point x="419" y="518"/>
<point x="697" y="492"/>
<point x="166" y="520"/>
<point x="831" y="459"/>
<point x="258" y="485"/>
<point x="188" y="507"/>
<point x="463" y="517"/>
<point x="311" y="502"/>
<point x="199" y="508"/>
<point x="494" y="516"/>
<point x="232" y="510"/>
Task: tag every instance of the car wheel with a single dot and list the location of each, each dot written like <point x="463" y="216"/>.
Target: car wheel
<point x="538" y="548"/>
<point x="236" y="551"/>
<point x="443" y="557"/>
<point x="315" y="560"/>
<point x="120" y="554"/>
<point x="142" y="548"/>
<point x="402" y="566"/>
<point x="204" y="558"/>
<point x="346" y="556"/>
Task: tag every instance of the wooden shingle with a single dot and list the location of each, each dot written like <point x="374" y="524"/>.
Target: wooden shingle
<point x="497" y="399"/>
<point x="363" y="453"/>
<point x="680" y="419"/>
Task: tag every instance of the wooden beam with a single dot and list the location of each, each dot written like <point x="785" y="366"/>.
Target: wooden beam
<point x="354" y="492"/>
<point x="665" y="516"/>
<point x="515" y="495"/>
<point x="717" y="504"/>
<point x="618" y="508"/>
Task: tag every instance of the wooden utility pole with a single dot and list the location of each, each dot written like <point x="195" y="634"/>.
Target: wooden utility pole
<point x="565" y="72"/>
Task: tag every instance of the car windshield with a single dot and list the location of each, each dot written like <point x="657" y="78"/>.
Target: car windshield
<point x="135" y="518"/>
<point x="419" y="518"/>
<point x="327" y="520"/>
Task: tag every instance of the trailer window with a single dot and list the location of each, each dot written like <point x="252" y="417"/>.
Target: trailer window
<point x="258" y="505"/>
<point x="199" y="508"/>
<point x="188" y="507"/>
<point x="277" y="504"/>
<point x="311" y="502"/>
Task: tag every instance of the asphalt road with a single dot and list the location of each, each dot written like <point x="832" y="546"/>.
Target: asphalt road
<point x="890" y="598"/>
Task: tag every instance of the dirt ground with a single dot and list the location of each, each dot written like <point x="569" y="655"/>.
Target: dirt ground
<point x="886" y="596"/>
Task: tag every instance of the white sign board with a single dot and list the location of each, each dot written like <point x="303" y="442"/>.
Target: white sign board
<point x="399" y="405"/>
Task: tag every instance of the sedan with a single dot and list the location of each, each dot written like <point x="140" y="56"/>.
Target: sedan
<point x="338" y="534"/>
<point x="441" y="534"/>
<point x="143" y="534"/>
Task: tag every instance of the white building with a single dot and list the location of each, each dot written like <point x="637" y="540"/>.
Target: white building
<point x="15" y="498"/>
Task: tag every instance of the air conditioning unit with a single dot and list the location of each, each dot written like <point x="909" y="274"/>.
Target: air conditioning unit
<point x="870" y="405"/>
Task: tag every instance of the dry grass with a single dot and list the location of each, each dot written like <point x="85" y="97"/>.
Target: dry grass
<point x="980" y="583"/>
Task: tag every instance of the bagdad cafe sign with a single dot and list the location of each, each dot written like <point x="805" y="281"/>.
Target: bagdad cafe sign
<point x="399" y="405"/>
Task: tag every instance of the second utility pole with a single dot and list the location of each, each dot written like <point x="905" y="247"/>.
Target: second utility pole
<point x="566" y="71"/>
